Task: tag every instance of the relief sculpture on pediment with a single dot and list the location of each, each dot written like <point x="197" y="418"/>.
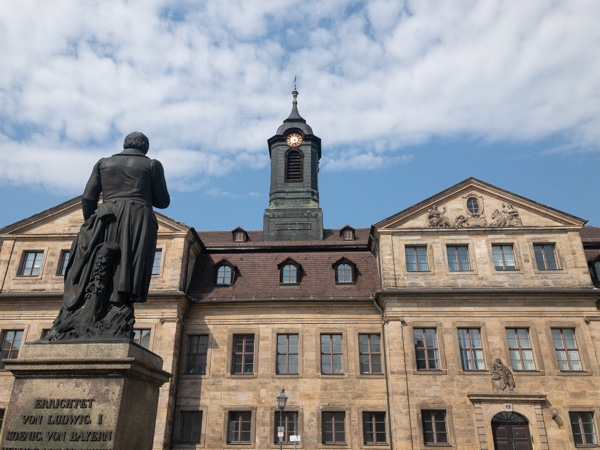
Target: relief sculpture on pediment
<point x="506" y="216"/>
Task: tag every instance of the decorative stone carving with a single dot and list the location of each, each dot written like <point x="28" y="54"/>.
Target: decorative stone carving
<point x="502" y="377"/>
<point x="507" y="217"/>
<point x="437" y="218"/>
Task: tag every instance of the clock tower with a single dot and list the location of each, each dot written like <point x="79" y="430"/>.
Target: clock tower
<point x="294" y="212"/>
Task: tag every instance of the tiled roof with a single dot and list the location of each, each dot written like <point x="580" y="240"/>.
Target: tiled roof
<point x="257" y="274"/>
<point x="590" y="236"/>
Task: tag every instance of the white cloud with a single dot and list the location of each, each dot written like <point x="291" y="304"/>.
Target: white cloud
<point x="208" y="82"/>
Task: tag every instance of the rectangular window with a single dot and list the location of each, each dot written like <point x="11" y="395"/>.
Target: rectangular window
<point x="334" y="429"/>
<point x="471" y="351"/>
<point x="374" y="428"/>
<point x="545" y="257"/>
<point x="142" y="337"/>
<point x="416" y="258"/>
<point x="289" y="422"/>
<point x="190" y="425"/>
<point x="369" y="353"/>
<point x="31" y="264"/>
<point x="197" y="352"/>
<point x="434" y="427"/>
<point x="584" y="430"/>
<point x="1" y="418"/>
<point x="156" y="262"/>
<point x="240" y="427"/>
<point x="458" y="258"/>
<point x="62" y="262"/>
<point x="520" y="349"/>
<point x="567" y="352"/>
<point x="287" y="354"/>
<point x="243" y="354"/>
<point x="11" y="343"/>
<point x="331" y="354"/>
<point x="426" y="348"/>
<point x="504" y="258"/>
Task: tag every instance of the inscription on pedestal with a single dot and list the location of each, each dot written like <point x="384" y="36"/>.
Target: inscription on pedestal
<point x="60" y="424"/>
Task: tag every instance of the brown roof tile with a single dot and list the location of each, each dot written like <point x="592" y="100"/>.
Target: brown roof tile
<point x="257" y="274"/>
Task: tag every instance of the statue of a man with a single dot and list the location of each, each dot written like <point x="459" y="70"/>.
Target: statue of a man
<point x="112" y="256"/>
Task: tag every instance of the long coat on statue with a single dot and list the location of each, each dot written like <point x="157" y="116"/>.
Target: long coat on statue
<point x="131" y="184"/>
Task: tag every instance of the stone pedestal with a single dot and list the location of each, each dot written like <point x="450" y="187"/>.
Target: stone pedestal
<point x="100" y="395"/>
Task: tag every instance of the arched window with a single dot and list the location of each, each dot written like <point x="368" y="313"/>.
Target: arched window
<point x="289" y="274"/>
<point x="224" y="275"/>
<point x="293" y="165"/>
<point x="344" y="271"/>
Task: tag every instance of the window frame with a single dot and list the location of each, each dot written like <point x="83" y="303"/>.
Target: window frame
<point x="349" y="268"/>
<point x="141" y="338"/>
<point x="543" y="246"/>
<point x="456" y="254"/>
<point x="580" y="354"/>
<point x="369" y="427"/>
<point x="221" y="280"/>
<point x="243" y="354"/>
<point x="426" y="348"/>
<point x="287" y="425"/>
<point x="240" y="421"/>
<point x="332" y="354"/>
<point x="11" y="352"/>
<point x="519" y="349"/>
<point x="180" y="425"/>
<point x="417" y="264"/>
<point x="331" y="413"/>
<point x="157" y="265"/>
<point x="504" y="266"/>
<point x="470" y="350"/>
<point x="581" y="425"/>
<point x="63" y="262"/>
<point x="428" y="411"/>
<point x="287" y="354"/>
<point x="196" y="355"/>
<point x="369" y="354"/>
<point x="36" y="268"/>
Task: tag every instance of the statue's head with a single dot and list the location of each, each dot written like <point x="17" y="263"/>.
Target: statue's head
<point x="138" y="141"/>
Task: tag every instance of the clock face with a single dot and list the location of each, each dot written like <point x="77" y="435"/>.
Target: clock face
<point x="294" y="139"/>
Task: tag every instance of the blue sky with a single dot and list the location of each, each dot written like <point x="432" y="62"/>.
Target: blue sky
<point x="408" y="98"/>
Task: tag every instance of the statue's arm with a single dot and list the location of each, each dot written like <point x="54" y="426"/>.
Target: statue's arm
<point x="91" y="193"/>
<point x="160" y="194"/>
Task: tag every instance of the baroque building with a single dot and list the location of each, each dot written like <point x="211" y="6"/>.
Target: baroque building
<point x="468" y="321"/>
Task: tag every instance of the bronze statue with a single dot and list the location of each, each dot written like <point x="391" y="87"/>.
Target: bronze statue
<point x="111" y="258"/>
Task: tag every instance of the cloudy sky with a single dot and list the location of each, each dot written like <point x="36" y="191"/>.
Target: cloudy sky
<point x="408" y="97"/>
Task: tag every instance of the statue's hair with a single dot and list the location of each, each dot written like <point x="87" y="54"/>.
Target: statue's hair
<point x="138" y="141"/>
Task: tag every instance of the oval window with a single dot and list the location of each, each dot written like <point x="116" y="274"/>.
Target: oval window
<point x="473" y="205"/>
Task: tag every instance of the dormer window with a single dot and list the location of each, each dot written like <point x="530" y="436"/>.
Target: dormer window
<point x="225" y="274"/>
<point x="345" y="271"/>
<point x="239" y="235"/>
<point x="347" y="233"/>
<point x="289" y="272"/>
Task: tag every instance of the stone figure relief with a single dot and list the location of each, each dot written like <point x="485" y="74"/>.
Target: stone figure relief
<point x="437" y="218"/>
<point x="501" y="375"/>
<point x="112" y="256"/>
<point x="507" y="216"/>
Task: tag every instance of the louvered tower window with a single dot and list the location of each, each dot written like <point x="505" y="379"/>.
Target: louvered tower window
<point x="293" y="165"/>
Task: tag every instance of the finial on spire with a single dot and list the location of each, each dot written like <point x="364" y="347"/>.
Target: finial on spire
<point x="295" y="93"/>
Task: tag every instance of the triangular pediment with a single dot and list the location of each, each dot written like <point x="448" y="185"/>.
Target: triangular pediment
<point x="475" y="204"/>
<point x="66" y="219"/>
